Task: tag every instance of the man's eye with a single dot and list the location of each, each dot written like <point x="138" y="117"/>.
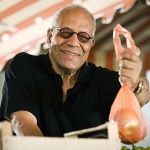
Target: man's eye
<point x="84" y="37"/>
<point x="65" y="33"/>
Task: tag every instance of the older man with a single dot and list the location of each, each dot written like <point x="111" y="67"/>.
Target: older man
<point x="59" y="92"/>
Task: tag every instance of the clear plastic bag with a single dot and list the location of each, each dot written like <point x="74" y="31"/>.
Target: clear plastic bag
<point x="126" y="110"/>
<point x="119" y="49"/>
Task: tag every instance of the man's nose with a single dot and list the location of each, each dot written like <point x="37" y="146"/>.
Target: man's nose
<point x="73" y="40"/>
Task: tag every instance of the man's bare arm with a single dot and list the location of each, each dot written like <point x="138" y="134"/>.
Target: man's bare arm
<point x="24" y="123"/>
<point x="142" y="91"/>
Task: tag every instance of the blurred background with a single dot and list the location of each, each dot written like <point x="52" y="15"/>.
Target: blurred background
<point x="24" y="24"/>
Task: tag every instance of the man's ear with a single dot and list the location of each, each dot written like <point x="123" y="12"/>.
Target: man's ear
<point x="93" y="42"/>
<point x="49" y="34"/>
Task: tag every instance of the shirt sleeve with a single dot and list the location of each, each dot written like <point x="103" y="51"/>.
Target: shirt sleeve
<point x="20" y="87"/>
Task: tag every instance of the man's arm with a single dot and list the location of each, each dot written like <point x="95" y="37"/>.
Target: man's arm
<point x="130" y="69"/>
<point x="142" y="91"/>
<point x="25" y="124"/>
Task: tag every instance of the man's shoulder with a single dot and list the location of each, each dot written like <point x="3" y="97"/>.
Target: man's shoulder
<point x="22" y="56"/>
<point x="26" y="58"/>
<point x="25" y="61"/>
<point x="95" y="68"/>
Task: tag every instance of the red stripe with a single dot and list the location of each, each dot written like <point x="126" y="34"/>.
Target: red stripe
<point x="32" y="44"/>
<point x="110" y="11"/>
<point x="44" y="14"/>
<point x="16" y="8"/>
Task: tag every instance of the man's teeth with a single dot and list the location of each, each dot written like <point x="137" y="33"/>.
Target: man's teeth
<point x="70" y="53"/>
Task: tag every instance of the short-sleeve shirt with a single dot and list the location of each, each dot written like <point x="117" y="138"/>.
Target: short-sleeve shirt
<point x="32" y="85"/>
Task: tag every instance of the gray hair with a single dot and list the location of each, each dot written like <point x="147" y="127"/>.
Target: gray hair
<point x="70" y="7"/>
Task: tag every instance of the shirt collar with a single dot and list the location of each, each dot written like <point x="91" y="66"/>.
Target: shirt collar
<point x="84" y="74"/>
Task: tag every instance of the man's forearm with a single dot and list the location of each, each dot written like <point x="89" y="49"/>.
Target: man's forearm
<point x="142" y="92"/>
<point x="24" y="123"/>
<point x="26" y="129"/>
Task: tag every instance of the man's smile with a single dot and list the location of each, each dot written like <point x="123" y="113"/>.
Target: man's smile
<point x="70" y="53"/>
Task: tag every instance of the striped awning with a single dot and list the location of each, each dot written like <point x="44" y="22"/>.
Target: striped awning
<point x="23" y="24"/>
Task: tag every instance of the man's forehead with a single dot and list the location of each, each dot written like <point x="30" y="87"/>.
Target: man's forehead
<point x="74" y="11"/>
<point x="77" y="19"/>
<point x="73" y="15"/>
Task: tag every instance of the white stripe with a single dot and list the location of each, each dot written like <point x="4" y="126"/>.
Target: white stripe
<point x="5" y="4"/>
<point x="96" y="5"/>
<point x="25" y="36"/>
<point x="29" y="11"/>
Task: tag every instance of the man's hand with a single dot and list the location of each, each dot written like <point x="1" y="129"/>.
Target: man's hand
<point x="130" y="68"/>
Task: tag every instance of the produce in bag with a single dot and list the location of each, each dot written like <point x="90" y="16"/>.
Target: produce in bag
<point x="126" y="110"/>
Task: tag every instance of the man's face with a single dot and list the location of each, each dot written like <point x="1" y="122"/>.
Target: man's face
<point x="70" y="53"/>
